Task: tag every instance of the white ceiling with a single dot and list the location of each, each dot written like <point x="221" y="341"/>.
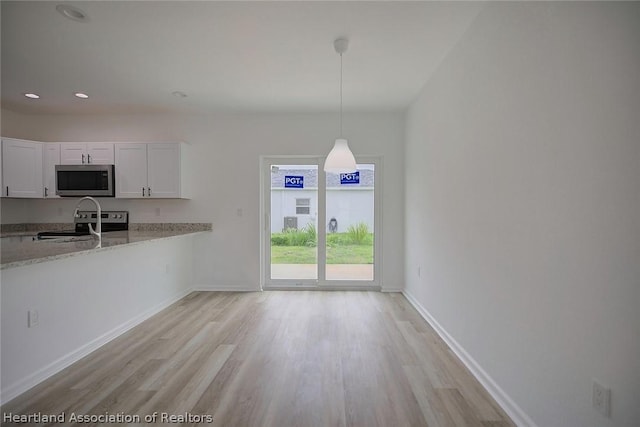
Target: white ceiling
<point x="227" y="56"/>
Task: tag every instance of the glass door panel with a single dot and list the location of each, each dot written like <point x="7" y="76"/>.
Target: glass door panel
<point x="294" y="222"/>
<point x="350" y="225"/>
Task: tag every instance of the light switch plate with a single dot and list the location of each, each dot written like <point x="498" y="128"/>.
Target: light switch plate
<point x="33" y="318"/>
<point x="601" y="399"/>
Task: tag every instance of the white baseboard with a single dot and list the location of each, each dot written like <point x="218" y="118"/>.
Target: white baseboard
<point x="53" y="368"/>
<point x="517" y="415"/>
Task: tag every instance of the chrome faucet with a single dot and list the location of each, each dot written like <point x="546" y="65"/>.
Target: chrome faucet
<point x="98" y="231"/>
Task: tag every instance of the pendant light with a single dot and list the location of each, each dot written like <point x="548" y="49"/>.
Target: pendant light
<point x="340" y="158"/>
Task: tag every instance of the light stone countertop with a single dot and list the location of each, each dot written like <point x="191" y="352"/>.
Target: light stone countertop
<point x="19" y="248"/>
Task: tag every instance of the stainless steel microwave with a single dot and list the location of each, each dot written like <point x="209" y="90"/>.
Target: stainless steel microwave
<point x="85" y="180"/>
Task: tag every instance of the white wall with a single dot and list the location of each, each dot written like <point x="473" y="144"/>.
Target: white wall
<point x="283" y="203"/>
<point x="349" y="206"/>
<point x="82" y="303"/>
<point x="226" y="149"/>
<point x="523" y="205"/>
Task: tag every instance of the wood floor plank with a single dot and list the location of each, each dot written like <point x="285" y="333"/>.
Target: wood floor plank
<point x="207" y="371"/>
<point x="125" y="398"/>
<point x="458" y="408"/>
<point x="427" y="359"/>
<point x="469" y="387"/>
<point x="178" y="356"/>
<point x="432" y="407"/>
<point x="275" y="359"/>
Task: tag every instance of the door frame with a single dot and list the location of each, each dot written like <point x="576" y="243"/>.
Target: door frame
<point x="321" y="283"/>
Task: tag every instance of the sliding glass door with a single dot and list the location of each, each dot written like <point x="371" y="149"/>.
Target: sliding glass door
<point x="293" y="222"/>
<point x="350" y="208"/>
<point x="318" y="230"/>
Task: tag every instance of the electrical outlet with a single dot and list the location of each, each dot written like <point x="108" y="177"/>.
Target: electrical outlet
<point x="601" y="399"/>
<point x="32" y="318"/>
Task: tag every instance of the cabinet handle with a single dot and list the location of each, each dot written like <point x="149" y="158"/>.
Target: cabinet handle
<point x="7" y="191"/>
<point x="46" y="192"/>
<point x="142" y="191"/>
<point x="149" y="191"/>
<point x="83" y="159"/>
<point x="88" y="158"/>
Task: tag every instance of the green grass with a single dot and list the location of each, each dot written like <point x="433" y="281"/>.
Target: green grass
<point x="307" y="237"/>
<point x="299" y="246"/>
<point x="293" y="237"/>
<point x="358" y="233"/>
<point x="350" y="254"/>
<point x="293" y="255"/>
<point x="340" y="254"/>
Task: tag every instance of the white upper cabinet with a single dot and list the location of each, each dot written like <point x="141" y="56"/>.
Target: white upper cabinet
<point x="21" y="168"/>
<point x="131" y="170"/>
<point x="50" y="158"/>
<point x="80" y="153"/>
<point x="153" y="170"/>
<point x="163" y="170"/>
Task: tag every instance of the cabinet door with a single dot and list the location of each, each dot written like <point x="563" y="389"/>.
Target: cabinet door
<point x="100" y="154"/>
<point x="73" y="153"/>
<point x="131" y="170"/>
<point x="50" y="158"/>
<point x="22" y="168"/>
<point x="163" y="163"/>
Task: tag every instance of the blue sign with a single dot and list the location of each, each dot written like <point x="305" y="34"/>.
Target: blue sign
<point x="350" y="178"/>
<point x="293" y="181"/>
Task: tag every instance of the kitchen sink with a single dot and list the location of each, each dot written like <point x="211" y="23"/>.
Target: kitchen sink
<point x="63" y="239"/>
<point x="45" y="235"/>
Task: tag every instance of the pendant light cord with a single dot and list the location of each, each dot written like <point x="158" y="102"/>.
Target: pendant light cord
<point x="340" y="95"/>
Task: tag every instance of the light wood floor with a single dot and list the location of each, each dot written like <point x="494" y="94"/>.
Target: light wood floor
<point x="300" y="358"/>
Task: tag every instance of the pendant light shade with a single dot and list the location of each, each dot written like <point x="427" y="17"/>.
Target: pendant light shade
<point x="340" y="158"/>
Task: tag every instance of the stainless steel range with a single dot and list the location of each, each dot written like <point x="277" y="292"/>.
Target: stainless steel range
<point x="111" y="221"/>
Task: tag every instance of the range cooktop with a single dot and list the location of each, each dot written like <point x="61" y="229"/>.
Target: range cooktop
<point x="111" y="221"/>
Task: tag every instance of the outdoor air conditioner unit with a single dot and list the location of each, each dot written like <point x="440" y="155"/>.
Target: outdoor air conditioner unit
<point x="291" y="222"/>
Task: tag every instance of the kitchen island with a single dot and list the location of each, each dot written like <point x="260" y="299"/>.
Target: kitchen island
<point x="62" y="299"/>
<point x="22" y="248"/>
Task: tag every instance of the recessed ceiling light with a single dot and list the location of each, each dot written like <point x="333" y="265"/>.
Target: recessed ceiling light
<point x="32" y="95"/>
<point x="179" y="94"/>
<point x="72" y="12"/>
<point x="81" y="95"/>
